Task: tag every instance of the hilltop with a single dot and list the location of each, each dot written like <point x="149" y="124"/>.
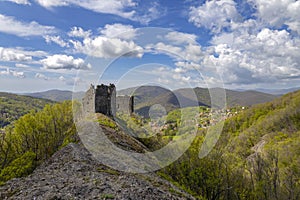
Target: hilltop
<point x="72" y="173"/>
<point x="56" y="95"/>
<point x="188" y="97"/>
<point x="146" y="96"/>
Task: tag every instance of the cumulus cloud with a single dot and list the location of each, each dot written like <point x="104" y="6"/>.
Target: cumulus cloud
<point x="60" y="61"/>
<point x="263" y="47"/>
<point x="7" y="54"/>
<point x="10" y="25"/>
<point x="57" y="40"/>
<point x="263" y="56"/>
<point x="180" y="37"/>
<point x="104" y="47"/>
<point x="278" y="13"/>
<point x="24" y="2"/>
<point x="41" y="76"/>
<point x="187" y="65"/>
<point x="214" y="15"/>
<point x="12" y="73"/>
<point x="150" y="13"/>
<point x="79" y="32"/>
<point x="121" y="31"/>
<point x="189" y="52"/>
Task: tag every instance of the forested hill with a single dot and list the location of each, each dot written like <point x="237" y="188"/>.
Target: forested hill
<point x="13" y="106"/>
<point x="256" y="157"/>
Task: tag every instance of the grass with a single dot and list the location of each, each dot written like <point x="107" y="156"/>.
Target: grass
<point x="109" y="171"/>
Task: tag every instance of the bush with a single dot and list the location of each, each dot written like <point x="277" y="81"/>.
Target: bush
<point x="20" y="167"/>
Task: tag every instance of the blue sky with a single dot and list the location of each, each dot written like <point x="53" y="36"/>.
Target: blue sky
<point x="69" y="44"/>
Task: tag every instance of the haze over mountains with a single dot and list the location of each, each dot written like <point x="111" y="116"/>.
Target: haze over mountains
<point x="146" y="96"/>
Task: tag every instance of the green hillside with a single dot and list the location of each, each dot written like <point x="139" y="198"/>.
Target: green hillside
<point x="13" y="106"/>
<point x="146" y="96"/>
<point x="256" y="157"/>
<point x="34" y="138"/>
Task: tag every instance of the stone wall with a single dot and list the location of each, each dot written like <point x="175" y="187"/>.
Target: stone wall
<point x="105" y="99"/>
<point x="88" y="101"/>
<point x="125" y="104"/>
<point x="102" y="99"/>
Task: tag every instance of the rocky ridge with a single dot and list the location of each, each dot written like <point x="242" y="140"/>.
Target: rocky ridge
<point x="72" y="173"/>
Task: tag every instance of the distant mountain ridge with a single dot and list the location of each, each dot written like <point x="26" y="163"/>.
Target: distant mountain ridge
<point x="278" y="91"/>
<point x="55" y="95"/>
<point x="146" y="96"/>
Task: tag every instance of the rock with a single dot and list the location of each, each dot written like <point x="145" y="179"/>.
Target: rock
<point x="72" y="173"/>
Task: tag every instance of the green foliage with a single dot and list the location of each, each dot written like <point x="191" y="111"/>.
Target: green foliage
<point x="256" y="157"/>
<point x="109" y="171"/>
<point x="34" y="138"/>
<point x="106" y="121"/>
<point x="14" y="106"/>
<point x="21" y="166"/>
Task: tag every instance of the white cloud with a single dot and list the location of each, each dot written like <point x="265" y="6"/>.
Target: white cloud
<point x="13" y="73"/>
<point x="104" y="47"/>
<point x="20" y="65"/>
<point x="7" y="54"/>
<point x="10" y="25"/>
<point x="121" y="31"/>
<point x="60" y="61"/>
<point x="52" y="3"/>
<point x="189" y="52"/>
<point x="251" y="50"/>
<point x="259" y="57"/>
<point x="187" y="65"/>
<point x="116" y="7"/>
<point x="151" y="13"/>
<point x="56" y="40"/>
<point x="123" y="8"/>
<point x="41" y="76"/>
<point x="176" y="37"/>
<point x="193" y="52"/>
<point x="279" y="12"/>
<point x="79" y="32"/>
<point x="24" y="2"/>
<point x="62" y="78"/>
<point x="214" y="15"/>
<point x="179" y="70"/>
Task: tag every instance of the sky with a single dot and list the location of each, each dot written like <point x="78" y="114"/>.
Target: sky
<point x="70" y="44"/>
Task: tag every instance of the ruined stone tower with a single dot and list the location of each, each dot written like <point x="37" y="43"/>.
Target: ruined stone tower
<point x="125" y="104"/>
<point x="101" y="99"/>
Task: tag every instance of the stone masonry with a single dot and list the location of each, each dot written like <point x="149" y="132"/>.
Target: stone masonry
<point x="125" y="104"/>
<point x="102" y="99"/>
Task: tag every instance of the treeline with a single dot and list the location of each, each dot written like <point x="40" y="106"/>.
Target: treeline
<point x="256" y="157"/>
<point x="34" y="138"/>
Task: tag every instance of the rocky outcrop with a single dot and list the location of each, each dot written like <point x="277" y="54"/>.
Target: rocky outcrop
<point x="72" y="173"/>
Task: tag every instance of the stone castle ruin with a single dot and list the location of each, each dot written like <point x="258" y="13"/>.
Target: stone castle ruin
<point x="125" y="104"/>
<point x="103" y="99"/>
